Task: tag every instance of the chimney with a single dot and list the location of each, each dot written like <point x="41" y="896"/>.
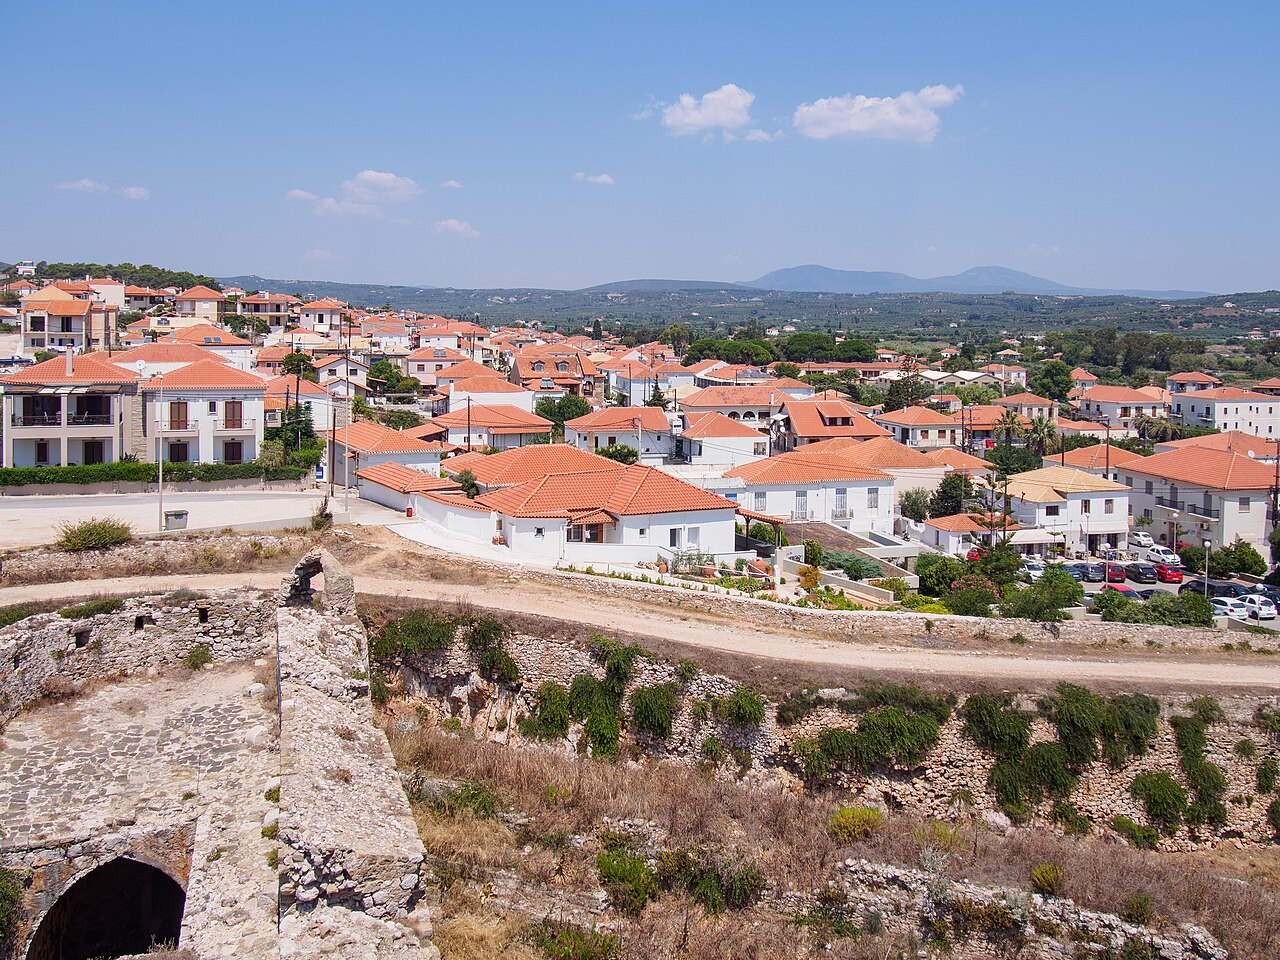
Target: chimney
<point x="70" y="362"/>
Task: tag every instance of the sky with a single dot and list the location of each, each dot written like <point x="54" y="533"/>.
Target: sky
<point x="553" y="144"/>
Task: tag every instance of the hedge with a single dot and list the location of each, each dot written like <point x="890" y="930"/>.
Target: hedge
<point x="134" y="472"/>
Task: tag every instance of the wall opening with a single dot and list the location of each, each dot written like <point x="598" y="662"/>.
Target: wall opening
<point x="123" y="907"/>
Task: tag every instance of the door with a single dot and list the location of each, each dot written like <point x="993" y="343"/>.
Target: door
<point x="232" y="415"/>
<point x="233" y="451"/>
<point x="94" y="452"/>
<point x="177" y="415"/>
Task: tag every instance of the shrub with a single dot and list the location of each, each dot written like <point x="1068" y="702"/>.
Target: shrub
<point x="566" y="941"/>
<point x="92" y="608"/>
<point x="1246" y="749"/>
<point x="418" y="631"/>
<point x="584" y="694"/>
<point x="1047" y="879"/>
<point x="1205" y="780"/>
<point x="551" y="721"/>
<point x="487" y="633"/>
<point x="602" y="732"/>
<point x="890" y="733"/>
<point x="972" y="601"/>
<point x="810" y="577"/>
<point x="852" y="565"/>
<point x="652" y="709"/>
<point x="198" y="657"/>
<point x="496" y="664"/>
<point x="937" y="573"/>
<point x="899" y="587"/>
<point x="993" y="725"/>
<point x="322" y="516"/>
<point x="1163" y="799"/>
<point x="1139" y="835"/>
<point x="713" y="749"/>
<point x="1273" y="815"/>
<point x="380" y="691"/>
<point x="97" y="533"/>
<point x="1044" y="600"/>
<point x="1079" y="716"/>
<point x="687" y="671"/>
<point x="814" y="762"/>
<point x="741" y="708"/>
<point x="629" y="881"/>
<point x="1046" y="767"/>
<point x="1128" y="727"/>
<point x="19" y="611"/>
<point x="10" y="899"/>
<point x="1138" y="909"/>
<point x="910" y="698"/>
<point x="1268" y="773"/>
<point x="813" y="553"/>
<point x="850" y="824"/>
<point x="712" y="885"/>
<point x="469" y="798"/>
<point x="1074" y="823"/>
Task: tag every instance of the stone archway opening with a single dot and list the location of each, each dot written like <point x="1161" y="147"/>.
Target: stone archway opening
<point x="121" y="908"/>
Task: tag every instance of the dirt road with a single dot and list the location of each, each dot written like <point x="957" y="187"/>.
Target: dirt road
<point x="1034" y="667"/>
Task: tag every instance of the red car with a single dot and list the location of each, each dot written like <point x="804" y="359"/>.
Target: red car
<point x="1124" y="591"/>
<point x="976" y="553"/>
<point x="1116" y="573"/>
<point x="1168" y="574"/>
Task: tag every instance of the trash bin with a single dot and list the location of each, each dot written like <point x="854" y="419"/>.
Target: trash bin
<point x="175" y="519"/>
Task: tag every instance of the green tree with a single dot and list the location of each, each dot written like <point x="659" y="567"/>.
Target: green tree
<point x="1010" y="424"/>
<point x="1041" y="436"/>
<point x="467" y="481"/>
<point x="937" y="573"/>
<point x="560" y="409"/>
<point x="402" y="419"/>
<point x="914" y="505"/>
<point x="952" y="494"/>
<point x="620" y="452"/>
<point x="677" y="335"/>
<point x="1044" y="600"/>
<point x="657" y="398"/>
<point x="1052" y="380"/>
<point x="298" y="364"/>
<point x="786" y="369"/>
<point x="597" y="331"/>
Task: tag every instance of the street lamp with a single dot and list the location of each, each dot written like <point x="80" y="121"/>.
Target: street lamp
<point x="1208" y="546"/>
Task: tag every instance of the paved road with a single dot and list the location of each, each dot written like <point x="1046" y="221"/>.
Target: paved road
<point x="688" y="626"/>
<point x="31" y="521"/>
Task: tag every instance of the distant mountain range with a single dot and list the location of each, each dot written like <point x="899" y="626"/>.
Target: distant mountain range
<point x="812" y="278"/>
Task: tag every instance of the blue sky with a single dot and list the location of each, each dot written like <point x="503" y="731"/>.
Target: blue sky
<point x="1117" y="145"/>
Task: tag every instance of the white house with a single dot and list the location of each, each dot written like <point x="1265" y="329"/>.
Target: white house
<point x="239" y="352"/>
<point x="500" y="426"/>
<point x="393" y="485"/>
<point x="424" y="363"/>
<point x="201" y="302"/>
<point x="204" y="412"/>
<point x="910" y="469"/>
<point x="1084" y="512"/>
<point x="714" y="439"/>
<point x="920" y="427"/>
<point x="486" y="392"/>
<point x="1194" y="494"/>
<point x="1230" y="408"/>
<point x="818" y="487"/>
<point x="1190" y="382"/>
<point x="1118" y="405"/>
<point x="646" y="429"/>
<point x="321" y="316"/>
<point x="363" y="443"/>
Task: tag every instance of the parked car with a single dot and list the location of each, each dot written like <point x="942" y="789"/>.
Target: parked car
<point x="1117" y="573"/>
<point x="1217" y="588"/>
<point x="1164" y="555"/>
<point x="1033" y="570"/>
<point x="1141" y="572"/>
<point x="976" y="553"/>
<point x="1268" y="591"/>
<point x="1230" y="607"/>
<point x="1123" y="589"/>
<point x="1074" y="570"/>
<point x="1260" y="607"/>
<point x="1141" y="539"/>
<point x="1149" y="592"/>
<point x="1168" y="574"/>
<point x="1094" y="572"/>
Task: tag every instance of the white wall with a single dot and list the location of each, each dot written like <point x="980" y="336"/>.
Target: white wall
<point x="780" y="501"/>
<point x="473" y="523"/>
<point x="728" y="452"/>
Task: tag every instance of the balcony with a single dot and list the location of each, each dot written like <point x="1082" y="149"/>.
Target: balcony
<point x="234" y="425"/>
<point x="36" y="420"/>
<point x="1205" y="513"/>
<point x="181" y="426"/>
<point x="1170" y="504"/>
<point x="90" y="419"/>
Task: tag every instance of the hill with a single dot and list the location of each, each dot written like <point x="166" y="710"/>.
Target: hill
<point x="660" y="286"/>
<point x="814" y="278"/>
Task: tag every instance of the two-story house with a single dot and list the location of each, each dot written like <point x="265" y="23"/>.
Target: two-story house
<point x="920" y="427"/>
<point x="1229" y="408"/>
<point x="712" y="439"/>
<point x="1190" y="382"/>
<point x="1118" y="406"/>
<point x="322" y="316"/>
<point x="822" y="418"/>
<point x="1084" y="513"/>
<point x="205" y="412"/>
<point x="202" y="303"/>
<point x="1194" y="494"/>
<point x="646" y="429"/>
<point x="1028" y="405"/>
<point x="276" y="311"/>
<point x="817" y="487"/>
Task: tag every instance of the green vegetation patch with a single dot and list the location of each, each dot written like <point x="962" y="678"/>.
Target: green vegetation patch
<point x="653" y="709"/>
<point x="551" y="721"/>
<point x="471" y="798"/>
<point x="96" y="533"/>
<point x="92" y="608"/>
<point x="418" y="631"/>
<point x="567" y="941"/>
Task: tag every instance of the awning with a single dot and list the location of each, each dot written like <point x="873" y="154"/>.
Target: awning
<point x="762" y="517"/>
<point x="1034" y="536"/>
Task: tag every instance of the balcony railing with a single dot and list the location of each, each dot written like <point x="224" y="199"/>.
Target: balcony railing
<point x="1199" y="510"/>
<point x="1170" y="504"/>
<point x="90" y="419"/>
<point x="232" y="424"/>
<point x="36" y="420"/>
<point x="180" y="426"/>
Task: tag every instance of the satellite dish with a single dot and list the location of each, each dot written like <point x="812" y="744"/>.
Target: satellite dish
<point x="141" y="367"/>
<point x="1252" y="455"/>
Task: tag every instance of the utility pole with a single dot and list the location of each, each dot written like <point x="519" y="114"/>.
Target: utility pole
<point x="160" y="444"/>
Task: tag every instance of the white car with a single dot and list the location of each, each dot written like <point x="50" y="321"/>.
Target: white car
<point x="1141" y="540"/>
<point x="1231" y="607"/>
<point x="1163" y="555"/>
<point x="1260" y="607"/>
<point x="1033" y="570"/>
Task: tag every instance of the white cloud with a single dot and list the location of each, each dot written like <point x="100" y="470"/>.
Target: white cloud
<point x="363" y="195"/>
<point x="908" y="116"/>
<point x="452" y="185"/>
<point x="761" y="136"/>
<point x="728" y="107"/>
<point x="134" y="193"/>
<point x="458" y="228"/>
<point x="84" y="185"/>
<point x="371" y="185"/>
<point x="321" y="256"/>
<point x="601" y="178"/>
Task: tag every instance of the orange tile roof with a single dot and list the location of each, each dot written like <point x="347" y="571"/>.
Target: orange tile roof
<point x="206" y="375"/>
<point x="1206" y="467"/>
<point x="1096" y="455"/>
<point x="971" y="523"/>
<point x="788" y="469"/>
<point x="916" y="417"/>
<point x="317" y="305"/>
<point x="164" y="352"/>
<point x="1081" y="374"/>
<point x="86" y="369"/>
<point x="1193" y="376"/>
<point x="207" y="333"/>
<point x="402" y="479"/>
<point x="957" y="460"/>
<point x="879" y="453"/>
<point x="983" y="416"/>
<point x="1116" y="395"/>
<point x="57" y="308"/>
<point x="631" y="491"/>
<point x="294" y="386"/>
<point x="436" y="353"/>
<point x="753" y="396"/>
<point x="1023" y="400"/>
<point x="199" y="292"/>
<point x="273" y="354"/>
<point x="496" y="416"/>
<point x="524" y="464"/>
<point x="715" y="424"/>
<point x="621" y="418"/>
<point x="812" y="418"/>
<point x="1226" y="393"/>
<point x="367" y="437"/>
<point x="1245" y="443"/>
<point x="464" y="369"/>
<point x="490" y="384"/>
<point x="270" y="298"/>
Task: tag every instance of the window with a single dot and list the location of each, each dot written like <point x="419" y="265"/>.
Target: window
<point x="759" y="501"/>
<point x="42" y="451"/>
<point x="692" y="536"/>
<point x="1051" y="510"/>
<point x="674" y="540"/>
<point x="1245" y="504"/>
<point x="758" y="450"/>
<point x="1085" y="505"/>
<point x="644" y="532"/>
<point x="1147" y="513"/>
<point x="178" y="453"/>
<point x="538" y="532"/>
<point x="873" y="498"/>
<point x="573" y="533"/>
<point x="213" y="406"/>
<point x="233" y="452"/>
<point x="802" y="503"/>
<point x="842" y="502"/>
<point x="612" y="441"/>
<point x="1148" y="487"/>
<point x="1108" y="506"/>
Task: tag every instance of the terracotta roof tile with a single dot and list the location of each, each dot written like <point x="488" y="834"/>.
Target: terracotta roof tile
<point x="621" y="418"/>
<point x="631" y="491"/>
<point x="402" y="479"/>
<point x="489" y="417"/>
<point x="716" y="425"/>
<point x="199" y="292"/>
<point x="367" y="437"/>
<point x="208" y="334"/>
<point x="796" y="467"/>
<point x="1207" y="468"/>
<point x="86" y="369"/>
<point x="524" y="464"/>
<point x="206" y="375"/>
<point x="814" y="418"/>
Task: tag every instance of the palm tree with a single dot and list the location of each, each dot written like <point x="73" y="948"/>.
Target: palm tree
<point x="1042" y="436"/>
<point x="1010" y="424"/>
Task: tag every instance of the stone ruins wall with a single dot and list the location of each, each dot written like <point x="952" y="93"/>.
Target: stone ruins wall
<point x="55" y="655"/>
<point x="448" y="685"/>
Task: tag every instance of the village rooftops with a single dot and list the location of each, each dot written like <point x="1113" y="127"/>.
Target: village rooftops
<point x="621" y="418"/>
<point x="495" y="418"/>
<point x="879" y="453"/>
<point x="211" y="374"/>
<point x="956" y="461"/>
<point x="402" y="479"/>
<point x="1245" y="443"/>
<point x="705" y="426"/>
<point x="199" y="292"/>
<point x="916" y="417"/>
<point x="523" y="464"/>
<point x="798" y="467"/>
<point x="86" y="369"/>
<point x="1206" y="468"/>
<point x="368" y="437"/>
<point x="1097" y="456"/>
<point x="603" y="496"/>
<point x="1053" y="484"/>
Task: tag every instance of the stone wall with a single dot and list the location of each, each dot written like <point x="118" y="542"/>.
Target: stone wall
<point x="53" y="655"/>
<point x="448" y="686"/>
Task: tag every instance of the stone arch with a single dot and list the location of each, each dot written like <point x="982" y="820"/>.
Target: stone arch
<point x="120" y="907"/>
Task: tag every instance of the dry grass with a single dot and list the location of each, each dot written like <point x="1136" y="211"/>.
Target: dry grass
<point x="471" y="929"/>
<point x="783" y="832"/>
<point x="480" y="843"/>
<point x="266" y="674"/>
